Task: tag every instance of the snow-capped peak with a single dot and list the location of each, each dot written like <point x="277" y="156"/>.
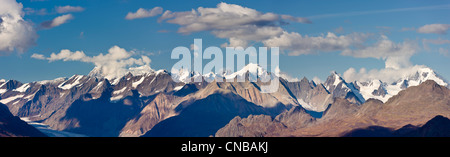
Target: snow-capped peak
<point x="334" y="80"/>
<point x="384" y="90"/>
<point x="74" y="80"/>
<point x="209" y="76"/>
<point x="337" y="78"/>
<point x="104" y="73"/>
<point x="57" y="80"/>
<point x="422" y="75"/>
<point x="254" y="71"/>
<point x="182" y="74"/>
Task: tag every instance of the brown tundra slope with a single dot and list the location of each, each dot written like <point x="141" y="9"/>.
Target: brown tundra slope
<point x="411" y="107"/>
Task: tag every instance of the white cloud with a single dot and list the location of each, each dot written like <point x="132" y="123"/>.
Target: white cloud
<point x="143" y="13"/>
<point x="285" y="75"/>
<point x="38" y="56"/>
<point x="438" y="41"/>
<point x="116" y="63"/>
<point x="57" y="21"/>
<point x="68" y="8"/>
<point x="67" y="55"/>
<point x="299" y="45"/>
<point x="235" y="42"/>
<point x="224" y="17"/>
<point x="233" y="22"/>
<point x="16" y="34"/>
<point x="434" y="28"/>
<point x="395" y="55"/>
<point x="240" y="36"/>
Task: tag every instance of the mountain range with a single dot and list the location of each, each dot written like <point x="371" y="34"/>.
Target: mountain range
<point x="153" y="104"/>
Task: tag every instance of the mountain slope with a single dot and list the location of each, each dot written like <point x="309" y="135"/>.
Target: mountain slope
<point x="413" y="106"/>
<point x="133" y="104"/>
<point x="205" y="116"/>
<point x="160" y="108"/>
<point x="439" y="126"/>
<point x="12" y="126"/>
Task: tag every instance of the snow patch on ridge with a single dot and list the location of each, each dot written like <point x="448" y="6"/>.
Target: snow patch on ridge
<point x="69" y="86"/>
<point x="137" y="83"/>
<point x="9" y="99"/>
<point x="23" y="88"/>
<point x="120" y="91"/>
<point x="177" y="88"/>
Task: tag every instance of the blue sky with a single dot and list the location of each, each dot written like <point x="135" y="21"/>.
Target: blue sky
<point x="416" y="30"/>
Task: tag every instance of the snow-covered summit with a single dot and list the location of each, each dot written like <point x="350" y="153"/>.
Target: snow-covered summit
<point x="384" y="90"/>
<point x="111" y="75"/>
<point x="253" y="70"/>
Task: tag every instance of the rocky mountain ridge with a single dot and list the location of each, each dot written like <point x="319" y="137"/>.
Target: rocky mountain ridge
<point x="414" y="106"/>
<point x="135" y="103"/>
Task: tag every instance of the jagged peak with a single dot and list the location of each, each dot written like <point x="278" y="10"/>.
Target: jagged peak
<point x="334" y="80"/>
<point x="304" y="79"/>
<point x="430" y="83"/>
<point x="135" y="71"/>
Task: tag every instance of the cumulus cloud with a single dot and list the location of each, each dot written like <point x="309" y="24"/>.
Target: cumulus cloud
<point x="38" y="56"/>
<point x="143" y="13"/>
<point x="116" y="63"/>
<point x="297" y="44"/>
<point x="240" y="36"/>
<point x="234" y="22"/>
<point x="16" y="34"/>
<point x="285" y="75"/>
<point x="57" y="21"/>
<point x="68" y="8"/>
<point x="408" y="29"/>
<point x="434" y="28"/>
<point x="444" y="50"/>
<point x="224" y="17"/>
<point x="235" y="42"/>
<point x="395" y="55"/>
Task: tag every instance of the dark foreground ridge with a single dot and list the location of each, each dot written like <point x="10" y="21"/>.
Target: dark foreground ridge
<point x="439" y="126"/>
